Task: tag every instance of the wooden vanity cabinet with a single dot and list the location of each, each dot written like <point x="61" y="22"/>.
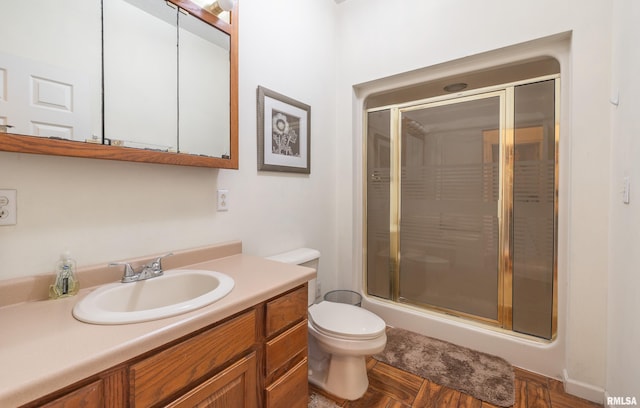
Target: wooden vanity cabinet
<point x="256" y="358"/>
<point x="286" y="350"/>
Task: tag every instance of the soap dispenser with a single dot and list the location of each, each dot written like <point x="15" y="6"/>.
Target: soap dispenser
<point x="66" y="283"/>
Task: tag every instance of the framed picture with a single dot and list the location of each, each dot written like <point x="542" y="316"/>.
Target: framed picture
<point x="284" y="133"/>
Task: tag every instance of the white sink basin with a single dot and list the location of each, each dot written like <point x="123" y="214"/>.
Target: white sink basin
<point x="177" y="291"/>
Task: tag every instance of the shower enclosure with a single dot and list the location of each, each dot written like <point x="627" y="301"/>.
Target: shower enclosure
<point x="461" y="204"/>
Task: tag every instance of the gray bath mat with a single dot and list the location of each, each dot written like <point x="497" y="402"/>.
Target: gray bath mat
<point x="483" y="376"/>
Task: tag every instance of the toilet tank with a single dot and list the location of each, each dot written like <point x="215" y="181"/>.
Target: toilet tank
<point x="304" y="257"/>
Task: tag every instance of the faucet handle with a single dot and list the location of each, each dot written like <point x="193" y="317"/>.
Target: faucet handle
<point x="128" y="269"/>
<point x="157" y="263"/>
<point x="158" y="259"/>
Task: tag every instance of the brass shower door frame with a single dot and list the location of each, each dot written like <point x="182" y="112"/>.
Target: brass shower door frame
<point x="505" y="211"/>
<point x="505" y="205"/>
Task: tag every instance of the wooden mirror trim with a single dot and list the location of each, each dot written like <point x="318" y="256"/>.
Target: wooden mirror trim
<point x="10" y="142"/>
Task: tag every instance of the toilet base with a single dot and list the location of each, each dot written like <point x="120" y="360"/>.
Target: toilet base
<point x="343" y="376"/>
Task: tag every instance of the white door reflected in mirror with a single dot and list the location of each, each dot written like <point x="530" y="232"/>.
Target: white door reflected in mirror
<point x="50" y="59"/>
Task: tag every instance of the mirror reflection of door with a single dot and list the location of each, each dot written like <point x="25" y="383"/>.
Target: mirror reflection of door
<point x="44" y="100"/>
<point x="50" y="68"/>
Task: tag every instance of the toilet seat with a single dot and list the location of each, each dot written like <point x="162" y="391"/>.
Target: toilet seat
<point x="345" y="321"/>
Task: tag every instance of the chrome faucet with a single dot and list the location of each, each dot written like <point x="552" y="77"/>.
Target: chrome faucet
<point x="151" y="270"/>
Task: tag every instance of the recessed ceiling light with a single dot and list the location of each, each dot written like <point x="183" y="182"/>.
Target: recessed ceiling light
<point x="457" y="87"/>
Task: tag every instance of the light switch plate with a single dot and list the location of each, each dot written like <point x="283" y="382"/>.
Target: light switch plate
<point x="8" y="207"/>
<point x="626" y="193"/>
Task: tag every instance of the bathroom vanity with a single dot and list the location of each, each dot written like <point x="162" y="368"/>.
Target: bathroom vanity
<point x="248" y="349"/>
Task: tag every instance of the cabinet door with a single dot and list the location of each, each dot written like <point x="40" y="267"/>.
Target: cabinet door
<point x="90" y="395"/>
<point x="234" y="387"/>
<point x="158" y="377"/>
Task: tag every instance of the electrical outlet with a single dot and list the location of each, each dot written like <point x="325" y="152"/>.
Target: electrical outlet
<point x="8" y="207"/>
<point x="223" y="200"/>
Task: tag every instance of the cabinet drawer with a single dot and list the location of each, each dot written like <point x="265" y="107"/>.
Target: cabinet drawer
<point x="282" y="349"/>
<point x="235" y="387"/>
<point x="286" y="310"/>
<point x="291" y="390"/>
<point x="157" y="377"/>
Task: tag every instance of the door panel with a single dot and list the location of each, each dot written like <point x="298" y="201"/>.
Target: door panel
<point x="533" y="207"/>
<point x="43" y="100"/>
<point x="449" y="228"/>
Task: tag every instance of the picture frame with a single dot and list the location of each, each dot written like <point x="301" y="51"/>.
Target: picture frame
<point x="284" y="133"/>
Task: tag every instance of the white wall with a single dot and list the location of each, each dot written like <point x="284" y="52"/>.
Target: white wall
<point x="623" y="329"/>
<point x="419" y="34"/>
<point x="106" y="210"/>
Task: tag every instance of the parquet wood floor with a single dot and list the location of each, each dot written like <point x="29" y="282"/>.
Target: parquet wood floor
<point x="390" y="387"/>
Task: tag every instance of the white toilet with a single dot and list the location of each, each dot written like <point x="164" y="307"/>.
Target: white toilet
<point x="340" y="336"/>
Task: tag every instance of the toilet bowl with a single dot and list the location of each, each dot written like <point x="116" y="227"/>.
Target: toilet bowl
<point x="340" y="336"/>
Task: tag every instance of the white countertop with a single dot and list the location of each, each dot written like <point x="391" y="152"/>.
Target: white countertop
<point x="44" y="348"/>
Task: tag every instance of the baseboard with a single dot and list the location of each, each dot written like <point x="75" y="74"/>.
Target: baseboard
<point x="583" y="390"/>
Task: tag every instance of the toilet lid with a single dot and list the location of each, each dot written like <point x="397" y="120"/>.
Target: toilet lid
<point x="345" y="321"/>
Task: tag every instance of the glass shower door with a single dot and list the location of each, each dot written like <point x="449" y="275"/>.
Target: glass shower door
<point x="449" y="192"/>
<point x="461" y="205"/>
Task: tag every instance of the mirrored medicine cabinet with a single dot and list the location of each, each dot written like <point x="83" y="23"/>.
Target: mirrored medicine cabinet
<point x="135" y="80"/>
